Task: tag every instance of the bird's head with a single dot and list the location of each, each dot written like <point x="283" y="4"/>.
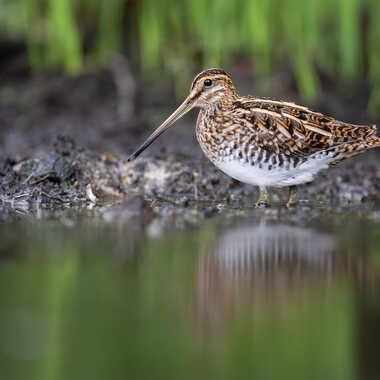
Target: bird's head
<point x="208" y="87"/>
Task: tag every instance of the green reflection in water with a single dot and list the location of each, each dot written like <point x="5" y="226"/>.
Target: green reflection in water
<point x="222" y="301"/>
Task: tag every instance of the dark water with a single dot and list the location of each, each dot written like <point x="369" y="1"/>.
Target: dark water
<point x="260" y="296"/>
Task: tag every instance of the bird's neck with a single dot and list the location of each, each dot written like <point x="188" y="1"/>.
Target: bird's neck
<point x="221" y="105"/>
<point x="210" y="120"/>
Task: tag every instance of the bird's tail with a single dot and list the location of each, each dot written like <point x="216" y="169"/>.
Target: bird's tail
<point x="372" y="140"/>
<point x="374" y="143"/>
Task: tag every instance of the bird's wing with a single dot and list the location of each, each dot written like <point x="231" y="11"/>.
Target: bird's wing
<point x="294" y="130"/>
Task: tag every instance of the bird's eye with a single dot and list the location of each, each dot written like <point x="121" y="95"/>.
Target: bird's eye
<point x="208" y="82"/>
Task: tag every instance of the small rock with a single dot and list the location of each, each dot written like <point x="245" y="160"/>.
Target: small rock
<point x="90" y="195"/>
<point x="52" y="165"/>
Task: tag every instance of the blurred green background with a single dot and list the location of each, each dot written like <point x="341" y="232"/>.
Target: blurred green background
<point x="337" y="39"/>
<point x="111" y="301"/>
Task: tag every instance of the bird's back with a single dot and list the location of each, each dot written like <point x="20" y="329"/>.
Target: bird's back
<point x="297" y="131"/>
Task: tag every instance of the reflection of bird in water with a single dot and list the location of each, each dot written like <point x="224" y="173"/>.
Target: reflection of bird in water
<point x="264" y="248"/>
<point x="266" y="266"/>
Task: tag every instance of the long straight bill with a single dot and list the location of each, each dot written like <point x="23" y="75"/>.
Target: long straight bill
<point x="185" y="107"/>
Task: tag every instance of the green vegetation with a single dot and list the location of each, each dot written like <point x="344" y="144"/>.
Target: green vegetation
<point x="339" y="38"/>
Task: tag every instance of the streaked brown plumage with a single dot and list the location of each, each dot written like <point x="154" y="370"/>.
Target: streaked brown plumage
<point x="265" y="142"/>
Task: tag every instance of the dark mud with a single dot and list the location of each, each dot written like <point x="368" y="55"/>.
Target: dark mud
<point x="70" y="176"/>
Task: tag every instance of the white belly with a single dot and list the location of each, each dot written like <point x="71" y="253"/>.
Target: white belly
<point x="277" y="176"/>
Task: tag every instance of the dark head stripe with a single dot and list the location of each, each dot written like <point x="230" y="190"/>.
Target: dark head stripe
<point x="208" y="73"/>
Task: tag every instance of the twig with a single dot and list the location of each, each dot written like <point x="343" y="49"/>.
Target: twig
<point x="36" y="181"/>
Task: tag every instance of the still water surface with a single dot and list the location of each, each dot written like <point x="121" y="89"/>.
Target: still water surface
<point x="249" y="297"/>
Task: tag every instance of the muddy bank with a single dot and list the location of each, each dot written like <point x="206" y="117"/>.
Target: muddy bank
<point x="71" y="175"/>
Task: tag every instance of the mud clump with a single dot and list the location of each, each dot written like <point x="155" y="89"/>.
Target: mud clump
<point x="71" y="174"/>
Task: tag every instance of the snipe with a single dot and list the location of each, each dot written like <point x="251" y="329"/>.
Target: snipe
<point x="265" y="142"/>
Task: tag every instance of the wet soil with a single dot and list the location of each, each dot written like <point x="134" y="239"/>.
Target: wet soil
<point x="64" y="142"/>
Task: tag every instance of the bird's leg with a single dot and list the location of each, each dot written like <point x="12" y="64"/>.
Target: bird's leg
<point x="292" y="196"/>
<point x="263" y="198"/>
